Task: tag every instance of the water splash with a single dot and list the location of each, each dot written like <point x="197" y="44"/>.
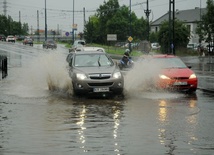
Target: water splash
<point x="41" y="74"/>
<point x="141" y="76"/>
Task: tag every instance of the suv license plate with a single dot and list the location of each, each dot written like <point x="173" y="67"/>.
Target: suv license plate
<point x="101" y="89"/>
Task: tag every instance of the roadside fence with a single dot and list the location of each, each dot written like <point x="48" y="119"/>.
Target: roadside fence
<point x="3" y="66"/>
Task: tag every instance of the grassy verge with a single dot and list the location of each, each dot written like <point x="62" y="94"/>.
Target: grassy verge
<point x="135" y="52"/>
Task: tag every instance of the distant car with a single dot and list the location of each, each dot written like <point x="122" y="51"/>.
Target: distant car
<point x="11" y="38"/>
<point x="77" y="44"/>
<point x="94" y="73"/>
<point x="28" y="41"/>
<point x="173" y="74"/>
<point x="20" y="38"/>
<point x="49" y="44"/>
<point x="193" y="46"/>
<point x="2" y="37"/>
<point x="89" y="49"/>
<point x="155" y="46"/>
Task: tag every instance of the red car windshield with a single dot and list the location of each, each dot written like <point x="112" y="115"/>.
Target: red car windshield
<point x="169" y="62"/>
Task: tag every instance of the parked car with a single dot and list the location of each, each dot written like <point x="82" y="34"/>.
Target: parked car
<point x="49" y="44"/>
<point x="28" y="41"/>
<point x="20" y="38"/>
<point x="89" y="49"/>
<point x="193" y="46"/>
<point x="2" y="37"/>
<point x="155" y="46"/>
<point x="77" y="44"/>
<point x="173" y="74"/>
<point x="11" y="38"/>
<point x="94" y="73"/>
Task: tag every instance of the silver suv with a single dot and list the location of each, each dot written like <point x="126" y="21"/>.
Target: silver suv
<point x="94" y="73"/>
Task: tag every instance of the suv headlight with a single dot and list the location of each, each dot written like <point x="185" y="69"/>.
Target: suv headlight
<point x="117" y="75"/>
<point x="81" y="76"/>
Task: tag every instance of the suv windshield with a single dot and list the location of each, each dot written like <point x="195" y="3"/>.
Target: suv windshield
<point x="92" y="60"/>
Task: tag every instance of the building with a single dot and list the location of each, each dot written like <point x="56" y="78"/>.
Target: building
<point x="189" y="17"/>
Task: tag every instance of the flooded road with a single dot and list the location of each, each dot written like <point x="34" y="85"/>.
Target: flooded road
<point x="36" y="120"/>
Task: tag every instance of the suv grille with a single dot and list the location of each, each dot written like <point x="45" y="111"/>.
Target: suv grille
<point x="100" y="76"/>
<point x="101" y="84"/>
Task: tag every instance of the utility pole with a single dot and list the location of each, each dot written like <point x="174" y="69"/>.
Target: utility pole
<point x="45" y="22"/>
<point x="20" y="25"/>
<point x="84" y="21"/>
<point x="38" y="26"/>
<point x="147" y="12"/>
<point x="171" y="27"/>
<point x="20" y="16"/>
<point x="5" y="7"/>
<point x="73" y="24"/>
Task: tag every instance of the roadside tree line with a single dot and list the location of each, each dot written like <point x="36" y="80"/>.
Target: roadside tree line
<point x="10" y="27"/>
<point x="111" y="18"/>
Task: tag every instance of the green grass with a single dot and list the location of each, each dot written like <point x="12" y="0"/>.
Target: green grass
<point x="136" y="53"/>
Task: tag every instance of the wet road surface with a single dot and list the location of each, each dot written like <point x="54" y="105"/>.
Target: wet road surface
<point x="36" y="120"/>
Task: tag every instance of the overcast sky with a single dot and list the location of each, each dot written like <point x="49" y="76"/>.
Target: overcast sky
<point x="60" y="14"/>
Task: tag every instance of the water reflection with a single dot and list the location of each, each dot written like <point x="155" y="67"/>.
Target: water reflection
<point x="178" y="120"/>
<point x="90" y="126"/>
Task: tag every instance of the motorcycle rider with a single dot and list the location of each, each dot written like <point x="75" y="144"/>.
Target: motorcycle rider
<point x="126" y="61"/>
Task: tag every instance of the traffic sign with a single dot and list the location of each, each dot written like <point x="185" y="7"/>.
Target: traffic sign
<point x="130" y="39"/>
<point x="67" y="33"/>
<point x="111" y="37"/>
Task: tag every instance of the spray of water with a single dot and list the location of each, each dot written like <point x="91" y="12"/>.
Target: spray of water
<point x="141" y="76"/>
<point x="38" y="75"/>
<point x="140" y="81"/>
<point x="49" y="72"/>
<point x="54" y="68"/>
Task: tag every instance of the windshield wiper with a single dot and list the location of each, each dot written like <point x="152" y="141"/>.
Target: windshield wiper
<point x="99" y="61"/>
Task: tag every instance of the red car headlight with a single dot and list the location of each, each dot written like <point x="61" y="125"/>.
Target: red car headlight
<point x="193" y="76"/>
<point x="164" y="77"/>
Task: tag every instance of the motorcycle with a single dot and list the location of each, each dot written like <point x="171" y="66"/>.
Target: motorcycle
<point x="126" y="66"/>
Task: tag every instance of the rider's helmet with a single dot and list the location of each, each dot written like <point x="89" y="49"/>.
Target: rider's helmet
<point x="127" y="53"/>
<point x="127" y="50"/>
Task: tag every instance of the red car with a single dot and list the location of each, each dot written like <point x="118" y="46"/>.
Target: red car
<point x="174" y="74"/>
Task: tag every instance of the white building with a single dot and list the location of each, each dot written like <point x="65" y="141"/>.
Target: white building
<point x="189" y="17"/>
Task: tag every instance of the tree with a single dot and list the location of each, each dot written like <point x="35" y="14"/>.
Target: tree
<point x="25" y="29"/>
<point x="205" y="28"/>
<point x="153" y="37"/>
<point x="139" y="28"/>
<point x="181" y="38"/>
<point x="10" y="27"/>
<point x="113" y="19"/>
<point x="105" y="12"/>
<point x="119" y="24"/>
<point x="91" y="29"/>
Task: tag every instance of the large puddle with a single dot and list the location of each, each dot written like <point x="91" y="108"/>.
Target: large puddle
<point x="39" y="115"/>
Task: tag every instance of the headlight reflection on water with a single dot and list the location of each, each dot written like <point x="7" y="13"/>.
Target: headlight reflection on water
<point x="81" y="123"/>
<point x="171" y="116"/>
<point x="85" y="129"/>
<point x="115" y="131"/>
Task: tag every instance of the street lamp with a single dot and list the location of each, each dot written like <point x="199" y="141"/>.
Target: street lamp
<point x="147" y="12"/>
